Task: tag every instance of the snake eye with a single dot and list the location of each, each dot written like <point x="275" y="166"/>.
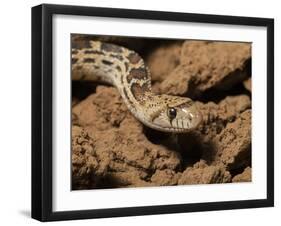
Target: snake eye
<point x="172" y="113"/>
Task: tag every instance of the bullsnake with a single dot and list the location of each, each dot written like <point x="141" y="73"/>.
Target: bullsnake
<point x="126" y="70"/>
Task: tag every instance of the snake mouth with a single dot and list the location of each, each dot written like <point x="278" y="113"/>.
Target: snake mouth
<point x="183" y="125"/>
<point x="190" y="120"/>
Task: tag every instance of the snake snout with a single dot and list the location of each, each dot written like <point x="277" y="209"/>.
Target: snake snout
<point x="194" y="117"/>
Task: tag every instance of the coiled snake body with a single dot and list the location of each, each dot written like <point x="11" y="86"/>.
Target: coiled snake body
<point x="125" y="69"/>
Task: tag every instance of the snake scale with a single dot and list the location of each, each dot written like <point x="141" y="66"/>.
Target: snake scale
<point x="126" y="70"/>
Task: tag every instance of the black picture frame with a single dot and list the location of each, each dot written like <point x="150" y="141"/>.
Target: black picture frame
<point x="42" y="111"/>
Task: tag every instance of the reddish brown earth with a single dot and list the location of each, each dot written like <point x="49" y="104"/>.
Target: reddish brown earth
<point x="110" y="148"/>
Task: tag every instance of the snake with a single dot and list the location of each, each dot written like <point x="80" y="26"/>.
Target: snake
<point x="98" y="61"/>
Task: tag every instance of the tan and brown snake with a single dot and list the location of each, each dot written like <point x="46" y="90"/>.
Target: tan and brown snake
<point x="125" y="69"/>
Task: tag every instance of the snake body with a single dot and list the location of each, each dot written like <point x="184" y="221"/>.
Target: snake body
<point x="126" y="70"/>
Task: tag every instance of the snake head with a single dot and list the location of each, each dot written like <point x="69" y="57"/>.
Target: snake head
<point x="177" y="114"/>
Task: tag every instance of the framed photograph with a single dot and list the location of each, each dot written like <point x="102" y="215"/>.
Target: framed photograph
<point x="147" y="112"/>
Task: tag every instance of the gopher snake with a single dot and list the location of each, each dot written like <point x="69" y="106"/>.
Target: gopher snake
<point x="125" y="69"/>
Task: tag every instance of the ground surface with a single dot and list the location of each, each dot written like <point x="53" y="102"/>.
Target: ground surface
<point x="110" y="148"/>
